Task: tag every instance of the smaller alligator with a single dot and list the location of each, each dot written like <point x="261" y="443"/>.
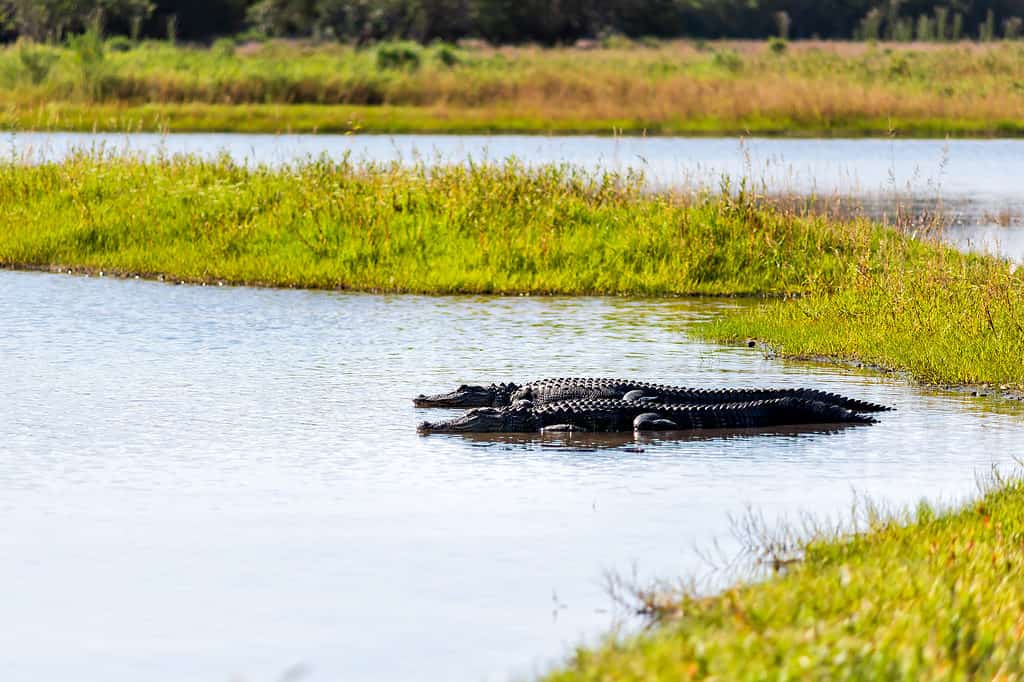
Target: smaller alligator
<point x="625" y="415"/>
<point x="569" y="388"/>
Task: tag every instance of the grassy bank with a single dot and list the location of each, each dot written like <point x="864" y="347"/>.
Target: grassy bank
<point x="391" y="119"/>
<point x="484" y="229"/>
<point x="920" y="596"/>
<point x="848" y="89"/>
<point x="945" y="321"/>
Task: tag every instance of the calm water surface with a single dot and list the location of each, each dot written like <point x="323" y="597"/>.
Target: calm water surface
<point x="974" y="183"/>
<point x="203" y="483"/>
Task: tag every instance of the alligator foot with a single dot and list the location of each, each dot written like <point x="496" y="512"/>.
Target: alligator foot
<point x="639" y="397"/>
<point x="561" y="428"/>
<point x="652" y="421"/>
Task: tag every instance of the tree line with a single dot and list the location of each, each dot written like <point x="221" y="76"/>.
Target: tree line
<point x="515" y="21"/>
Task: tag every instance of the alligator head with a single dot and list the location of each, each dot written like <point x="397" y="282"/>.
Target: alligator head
<point x="465" y="395"/>
<point x="518" y="419"/>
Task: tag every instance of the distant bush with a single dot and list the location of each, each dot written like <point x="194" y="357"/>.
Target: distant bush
<point x="399" y="55"/>
<point x="777" y="45"/>
<point x="445" y="53"/>
<point x="251" y="36"/>
<point x="90" y="53"/>
<point x="36" y="61"/>
<point x="120" y="44"/>
<point x="223" y="47"/>
<point x="899" y="66"/>
<point x="615" y="41"/>
<point x="728" y="60"/>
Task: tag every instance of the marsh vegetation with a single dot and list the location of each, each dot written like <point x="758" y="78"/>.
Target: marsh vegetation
<point x="809" y="88"/>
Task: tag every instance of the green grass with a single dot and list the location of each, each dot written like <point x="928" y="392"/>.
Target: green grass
<point x="921" y="596"/>
<point x="479" y="229"/>
<point x="813" y="88"/>
<point x="391" y="119"/>
<point x="942" y="320"/>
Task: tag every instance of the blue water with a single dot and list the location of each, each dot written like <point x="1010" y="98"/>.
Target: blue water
<point x="206" y="483"/>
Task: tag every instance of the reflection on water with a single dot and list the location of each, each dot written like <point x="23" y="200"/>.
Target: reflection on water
<point x="636" y="442"/>
<point x="221" y="483"/>
<point x="973" y="183"/>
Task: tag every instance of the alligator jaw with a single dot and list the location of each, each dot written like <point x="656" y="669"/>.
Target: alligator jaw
<point x="480" y="420"/>
<point x="463" y="396"/>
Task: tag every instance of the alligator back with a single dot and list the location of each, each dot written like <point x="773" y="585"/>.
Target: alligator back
<point x="619" y="415"/>
<point x="588" y="388"/>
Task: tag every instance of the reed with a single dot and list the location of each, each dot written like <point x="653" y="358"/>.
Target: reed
<point x="667" y="88"/>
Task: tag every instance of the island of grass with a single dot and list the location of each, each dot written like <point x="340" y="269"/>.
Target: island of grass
<point x="935" y="596"/>
<point x="659" y="88"/>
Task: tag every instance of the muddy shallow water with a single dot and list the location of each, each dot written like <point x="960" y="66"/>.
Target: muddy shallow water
<point x="226" y="483"/>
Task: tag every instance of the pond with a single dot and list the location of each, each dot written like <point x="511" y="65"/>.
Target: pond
<point x="973" y="184"/>
<point x="227" y="483"/>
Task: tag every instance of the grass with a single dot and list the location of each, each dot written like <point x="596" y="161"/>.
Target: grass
<point x="476" y="229"/>
<point x="811" y="88"/>
<point x="944" y="321"/>
<point x="922" y="595"/>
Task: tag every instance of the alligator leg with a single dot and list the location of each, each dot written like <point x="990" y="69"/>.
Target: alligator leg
<point x="637" y="396"/>
<point x="561" y="428"/>
<point x="652" y="421"/>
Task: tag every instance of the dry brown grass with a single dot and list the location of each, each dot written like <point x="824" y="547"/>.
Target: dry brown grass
<point x="677" y="86"/>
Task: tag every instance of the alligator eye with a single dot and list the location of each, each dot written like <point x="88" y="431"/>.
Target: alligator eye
<point x="463" y="387"/>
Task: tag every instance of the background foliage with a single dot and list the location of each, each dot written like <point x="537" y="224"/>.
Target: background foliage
<point x="516" y="21"/>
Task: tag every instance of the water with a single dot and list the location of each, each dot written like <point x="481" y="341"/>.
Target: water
<point x="974" y="182"/>
<point x="226" y="483"/>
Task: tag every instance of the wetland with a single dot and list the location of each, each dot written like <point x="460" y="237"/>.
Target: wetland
<point x="218" y="466"/>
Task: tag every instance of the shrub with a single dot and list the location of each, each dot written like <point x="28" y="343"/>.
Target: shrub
<point x="120" y="44"/>
<point x="399" y="55"/>
<point x="37" y="61"/>
<point x="223" y="47"/>
<point x="777" y="45"/>
<point x="445" y="53"/>
<point x="728" y="60"/>
<point x="615" y="41"/>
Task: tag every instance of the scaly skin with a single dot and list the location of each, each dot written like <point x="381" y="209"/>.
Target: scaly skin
<point x="580" y="388"/>
<point x="621" y="415"/>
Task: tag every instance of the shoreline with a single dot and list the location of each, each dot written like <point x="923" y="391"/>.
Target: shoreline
<point x="769" y="351"/>
<point x="312" y="119"/>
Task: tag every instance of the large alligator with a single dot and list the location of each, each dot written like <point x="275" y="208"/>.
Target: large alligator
<point x="570" y="388"/>
<point x="626" y="415"/>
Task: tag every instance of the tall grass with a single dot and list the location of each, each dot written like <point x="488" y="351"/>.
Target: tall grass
<point x="384" y="227"/>
<point x="923" y="595"/>
<point x="819" y="88"/>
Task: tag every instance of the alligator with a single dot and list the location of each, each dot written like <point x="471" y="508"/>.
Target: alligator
<point x="570" y="388"/>
<point x="609" y="415"/>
